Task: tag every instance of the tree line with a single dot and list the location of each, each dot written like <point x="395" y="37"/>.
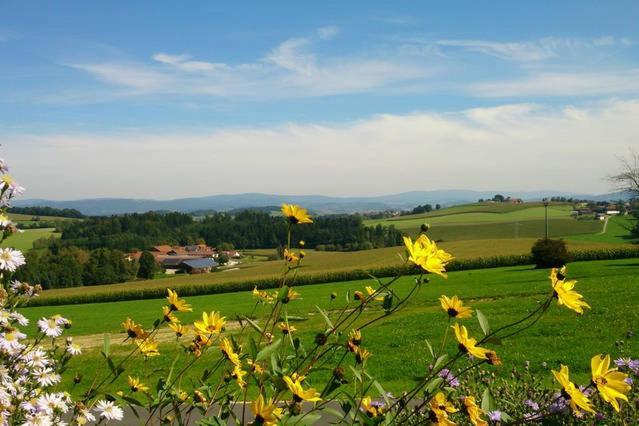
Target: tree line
<point x="245" y="230"/>
<point x="47" y="211"/>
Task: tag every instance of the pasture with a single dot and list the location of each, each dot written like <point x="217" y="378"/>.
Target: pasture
<point x="317" y="262"/>
<point x="398" y="343"/>
<point x="494" y="220"/>
<point x="23" y="241"/>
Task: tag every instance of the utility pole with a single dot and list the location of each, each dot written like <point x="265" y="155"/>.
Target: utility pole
<point x="545" y="200"/>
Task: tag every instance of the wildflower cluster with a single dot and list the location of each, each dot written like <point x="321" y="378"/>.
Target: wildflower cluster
<point x="30" y="368"/>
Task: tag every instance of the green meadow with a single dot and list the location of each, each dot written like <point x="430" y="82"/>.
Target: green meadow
<point x="398" y="343"/>
<point x="495" y="220"/>
<point x="318" y="262"/>
<point x="24" y="240"/>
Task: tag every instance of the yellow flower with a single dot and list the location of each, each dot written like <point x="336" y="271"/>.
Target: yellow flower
<point x="571" y="392"/>
<point x="177" y="304"/>
<point x="286" y="329"/>
<point x="290" y="295"/>
<point x="133" y="330"/>
<point x="361" y="355"/>
<point x="136" y="385"/>
<point x="295" y="214"/>
<point x="354" y="340"/>
<point x="148" y="348"/>
<point x="440" y="407"/>
<point x="265" y="412"/>
<point x="255" y="367"/>
<point x="290" y="256"/>
<point x="474" y="412"/>
<point x="610" y="383"/>
<point x="263" y="296"/>
<point x="168" y="315"/>
<point x="371" y="291"/>
<point x="563" y="291"/>
<point x="455" y="308"/>
<point x="370" y="409"/>
<point x="468" y="344"/>
<point x="238" y="374"/>
<point x="179" y="329"/>
<point x="211" y="323"/>
<point x="229" y="353"/>
<point x="300" y="394"/>
<point x="425" y="254"/>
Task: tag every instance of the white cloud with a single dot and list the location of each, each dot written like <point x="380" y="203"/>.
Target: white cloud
<point x="184" y="63"/>
<point x="327" y="33"/>
<point x="622" y="82"/>
<point x="133" y="76"/>
<point x="571" y="148"/>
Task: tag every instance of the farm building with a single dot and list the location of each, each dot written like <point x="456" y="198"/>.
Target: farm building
<point x="187" y="264"/>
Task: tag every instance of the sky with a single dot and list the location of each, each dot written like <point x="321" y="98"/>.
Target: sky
<point x="172" y="99"/>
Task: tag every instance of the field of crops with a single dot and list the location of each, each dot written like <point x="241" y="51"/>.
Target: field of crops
<point x="503" y="294"/>
<point x="317" y="262"/>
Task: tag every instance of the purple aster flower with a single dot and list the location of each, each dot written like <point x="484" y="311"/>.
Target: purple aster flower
<point x="449" y="378"/>
<point x="559" y="406"/>
<point x="494" y="416"/>
<point x="628" y="380"/>
<point x="532" y="404"/>
<point x="599" y="417"/>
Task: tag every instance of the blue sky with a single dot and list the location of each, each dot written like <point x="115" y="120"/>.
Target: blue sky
<point x="366" y="88"/>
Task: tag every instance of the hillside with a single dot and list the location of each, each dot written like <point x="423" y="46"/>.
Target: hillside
<point x="317" y="203"/>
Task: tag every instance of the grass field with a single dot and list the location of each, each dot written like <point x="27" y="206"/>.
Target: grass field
<point x="494" y="220"/>
<point x="320" y="262"/>
<point x="398" y="344"/>
<point x="16" y="217"/>
<point x="617" y="231"/>
<point x="24" y="240"/>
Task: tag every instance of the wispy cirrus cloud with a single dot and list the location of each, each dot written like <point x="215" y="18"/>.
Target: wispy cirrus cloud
<point x="290" y="69"/>
<point x="554" y="84"/>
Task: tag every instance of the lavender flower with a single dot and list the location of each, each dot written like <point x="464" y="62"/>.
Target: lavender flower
<point x="494" y="416"/>
<point x="532" y="404"/>
<point x="449" y="378"/>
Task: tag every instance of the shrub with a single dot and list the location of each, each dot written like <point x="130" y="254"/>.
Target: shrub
<point x="550" y="253"/>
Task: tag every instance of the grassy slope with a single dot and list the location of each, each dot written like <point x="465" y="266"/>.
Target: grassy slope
<point x="398" y="343"/>
<point x="317" y="262"/>
<point x="24" y="240"/>
<point x="479" y="221"/>
<point x="617" y="231"/>
<point x="16" y="217"/>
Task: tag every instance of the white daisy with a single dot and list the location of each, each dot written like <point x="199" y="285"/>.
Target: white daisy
<point x="3" y="166"/>
<point x="37" y="358"/>
<point x="74" y="349"/>
<point x="50" y="327"/>
<point x="11" y="259"/>
<point x="84" y="417"/>
<point x="4" y="220"/>
<point x="108" y="410"/>
<point x="46" y="376"/>
<point x="51" y="403"/>
<point x="38" y="419"/>
<point x="19" y="318"/>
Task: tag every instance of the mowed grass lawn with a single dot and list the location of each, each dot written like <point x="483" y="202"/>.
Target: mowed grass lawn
<point x="398" y="343"/>
<point x="23" y="241"/>
<point x="617" y="231"/>
<point x="321" y="262"/>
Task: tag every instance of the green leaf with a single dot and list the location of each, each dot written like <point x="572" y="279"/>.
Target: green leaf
<point x="283" y="293"/>
<point x="106" y="345"/>
<point x="430" y="349"/>
<point x="268" y="350"/>
<point x="434" y="384"/>
<point x="483" y="322"/>
<point x="356" y="373"/>
<point x="440" y="361"/>
<point x="327" y="320"/>
<point x="252" y="324"/>
<point x="487" y="401"/>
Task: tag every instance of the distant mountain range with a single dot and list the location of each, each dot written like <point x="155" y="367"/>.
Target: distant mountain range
<point x="319" y="204"/>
